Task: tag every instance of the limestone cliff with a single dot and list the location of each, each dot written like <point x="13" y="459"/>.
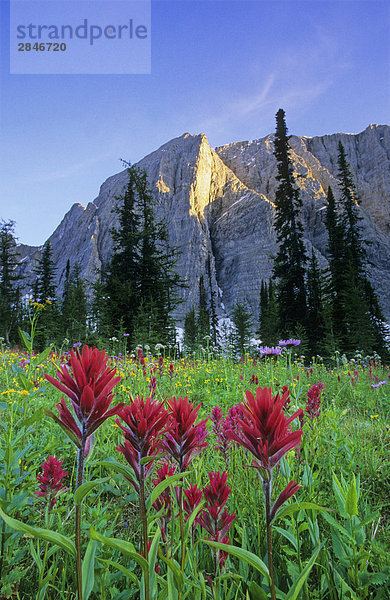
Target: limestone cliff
<point x="219" y="204"/>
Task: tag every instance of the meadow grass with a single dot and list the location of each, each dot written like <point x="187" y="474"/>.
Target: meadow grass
<point x="343" y="457"/>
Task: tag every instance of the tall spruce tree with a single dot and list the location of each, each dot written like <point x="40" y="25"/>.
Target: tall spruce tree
<point x="268" y="314"/>
<point x="316" y="315"/>
<point x="74" y="305"/>
<point x="203" y="321"/>
<point x="363" y="316"/>
<point x="190" y="331"/>
<point x="336" y="272"/>
<point x="241" y="335"/>
<point x="9" y="291"/>
<point x="290" y="260"/>
<point x="116" y="299"/>
<point x="137" y="291"/>
<point x="44" y="292"/>
<point x="213" y="310"/>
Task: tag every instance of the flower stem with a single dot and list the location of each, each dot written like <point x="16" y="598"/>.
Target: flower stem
<point x="267" y="496"/>
<point x="144" y="521"/>
<point x="80" y="474"/>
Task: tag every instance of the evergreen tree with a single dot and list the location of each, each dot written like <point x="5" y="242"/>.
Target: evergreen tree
<point x="317" y="321"/>
<point x="290" y="260"/>
<point x="357" y="319"/>
<point x="74" y="307"/>
<point x="213" y="311"/>
<point x="336" y="278"/>
<point x="9" y="291"/>
<point x="44" y="292"/>
<point x="117" y="292"/>
<point x="190" y="331"/>
<point x="45" y="271"/>
<point x="268" y="314"/>
<point x="242" y="320"/>
<point x="136" y="291"/>
<point x="203" y="321"/>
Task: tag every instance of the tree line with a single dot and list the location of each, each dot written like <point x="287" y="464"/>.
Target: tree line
<point x="137" y="290"/>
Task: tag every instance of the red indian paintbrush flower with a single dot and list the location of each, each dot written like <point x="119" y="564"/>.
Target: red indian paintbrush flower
<point x="214" y="519"/>
<point x="50" y="479"/>
<point x="264" y="429"/>
<point x="185" y="438"/>
<point x="288" y="491"/>
<point x="88" y="382"/>
<point x="146" y="420"/>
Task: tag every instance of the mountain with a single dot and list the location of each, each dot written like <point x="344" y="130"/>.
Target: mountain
<point x="218" y="203"/>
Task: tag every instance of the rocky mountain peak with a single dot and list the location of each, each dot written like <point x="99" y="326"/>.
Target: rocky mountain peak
<point x="218" y="204"/>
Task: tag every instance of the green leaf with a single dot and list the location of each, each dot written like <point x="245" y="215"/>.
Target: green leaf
<point x="351" y="507"/>
<point x="44" y="534"/>
<point x="152" y="557"/>
<point x="192" y="518"/>
<point x="256" y="592"/>
<point x="117" y="467"/>
<point x="38" y="360"/>
<point x="162" y="486"/>
<point x="341" y="495"/>
<point x="24" y="382"/>
<point x="176" y="571"/>
<point x="124" y="547"/>
<point x="298" y="583"/>
<point x="35" y="417"/>
<point x="250" y="558"/>
<point x="288" y="535"/>
<point x="73" y="438"/>
<point x="296" y="506"/>
<point x="129" y="574"/>
<point x="147" y="459"/>
<point x="25" y="339"/>
<point x="84" y="489"/>
<point x="338" y="526"/>
<point x="88" y="569"/>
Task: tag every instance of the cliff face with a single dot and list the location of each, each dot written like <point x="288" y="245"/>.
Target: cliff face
<point x="219" y="204"/>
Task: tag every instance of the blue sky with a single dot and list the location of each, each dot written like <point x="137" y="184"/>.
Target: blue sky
<point x="221" y="68"/>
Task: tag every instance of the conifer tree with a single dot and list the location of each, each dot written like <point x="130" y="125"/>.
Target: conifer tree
<point x="317" y="321"/>
<point x="213" y="311"/>
<point x="203" y="321"/>
<point x="363" y="315"/>
<point x="190" y="330"/>
<point x="336" y="277"/>
<point x="242" y="320"/>
<point x="45" y="271"/>
<point x="44" y="292"/>
<point x="136" y="292"/>
<point x="9" y="291"/>
<point x="290" y="260"/>
<point x="117" y="293"/>
<point x="74" y="306"/>
<point x="268" y="314"/>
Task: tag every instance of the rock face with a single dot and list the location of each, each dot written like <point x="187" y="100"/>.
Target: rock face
<point x="218" y="204"/>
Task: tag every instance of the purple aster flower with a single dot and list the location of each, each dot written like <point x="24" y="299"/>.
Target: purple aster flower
<point x="267" y="351"/>
<point x="289" y="343"/>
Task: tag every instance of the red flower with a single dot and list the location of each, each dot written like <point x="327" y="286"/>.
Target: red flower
<point x="193" y="496"/>
<point x="288" y="491"/>
<point x="88" y="382"/>
<point x="264" y="429"/>
<point x="164" y="499"/>
<point x="214" y="519"/>
<point x="145" y="421"/>
<point x="185" y="438"/>
<point x="313" y="404"/>
<point x="51" y="479"/>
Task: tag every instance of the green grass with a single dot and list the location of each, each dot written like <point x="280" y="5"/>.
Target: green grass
<point x="351" y="438"/>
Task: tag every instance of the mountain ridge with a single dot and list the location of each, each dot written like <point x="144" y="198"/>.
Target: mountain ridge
<point x="218" y="203"/>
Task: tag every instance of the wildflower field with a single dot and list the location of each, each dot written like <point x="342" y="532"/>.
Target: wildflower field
<point x="148" y="476"/>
